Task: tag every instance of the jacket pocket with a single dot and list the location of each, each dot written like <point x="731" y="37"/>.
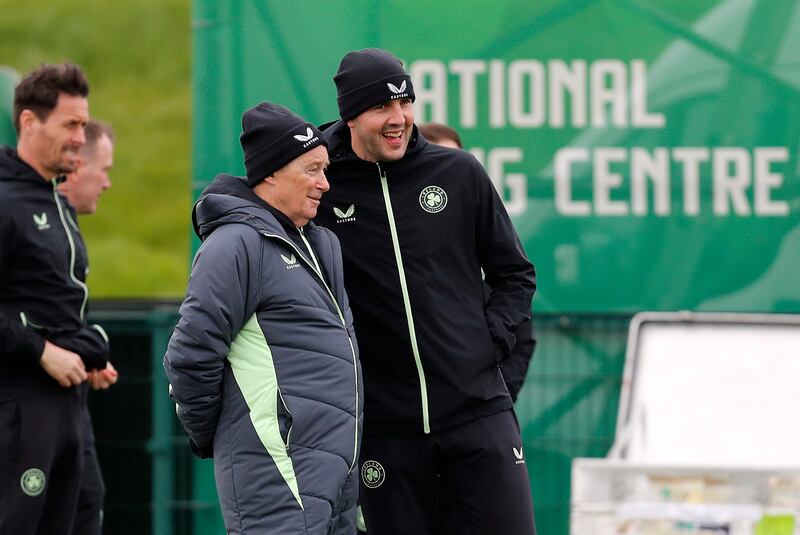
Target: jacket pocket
<point x="284" y="420"/>
<point x="10" y="423"/>
<point x="41" y="329"/>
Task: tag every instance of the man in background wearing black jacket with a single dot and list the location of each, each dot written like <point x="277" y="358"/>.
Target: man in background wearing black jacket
<point x="418" y="223"/>
<point x="46" y="347"/>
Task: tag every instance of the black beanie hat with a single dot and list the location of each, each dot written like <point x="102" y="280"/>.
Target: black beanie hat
<point x="273" y="136"/>
<point x="369" y="77"/>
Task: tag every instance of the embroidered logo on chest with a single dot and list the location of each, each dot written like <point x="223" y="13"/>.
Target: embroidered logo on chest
<point x="291" y="261"/>
<point x="41" y="221"/>
<point x="433" y="199"/>
<point x="346" y="216"/>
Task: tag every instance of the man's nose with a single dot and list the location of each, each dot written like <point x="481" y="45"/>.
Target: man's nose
<point x="396" y="114"/>
<point x="80" y="136"/>
<point x="323" y="183"/>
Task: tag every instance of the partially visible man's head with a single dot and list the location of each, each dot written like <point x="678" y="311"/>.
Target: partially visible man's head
<point x="50" y="112"/>
<point x="285" y="157"/>
<point x="375" y="97"/>
<point x="441" y="134"/>
<point x="84" y="186"/>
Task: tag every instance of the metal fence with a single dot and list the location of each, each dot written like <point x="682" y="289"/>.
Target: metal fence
<point x="134" y="425"/>
<point x="568" y="406"/>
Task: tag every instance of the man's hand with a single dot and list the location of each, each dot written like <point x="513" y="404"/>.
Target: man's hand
<point x="62" y="365"/>
<point x="102" y="379"/>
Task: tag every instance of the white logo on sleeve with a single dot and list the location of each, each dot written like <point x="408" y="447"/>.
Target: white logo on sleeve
<point x="433" y="199"/>
<point x="41" y="221"/>
<point x="345" y="216"/>
<point x="519" y="454"/>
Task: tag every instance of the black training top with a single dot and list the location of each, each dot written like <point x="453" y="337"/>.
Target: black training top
<point x="43" y="268"/>
<point x="415" y="235"/>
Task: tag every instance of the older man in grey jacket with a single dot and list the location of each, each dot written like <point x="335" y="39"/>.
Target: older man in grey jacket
<point x="263" y="364"/>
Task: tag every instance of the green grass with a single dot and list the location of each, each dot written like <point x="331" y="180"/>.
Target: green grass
<point x="136" y="56"/>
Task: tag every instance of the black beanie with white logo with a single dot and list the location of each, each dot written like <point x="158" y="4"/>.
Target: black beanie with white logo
<point x="273" y="136"/>
<point x="369" y="77"/>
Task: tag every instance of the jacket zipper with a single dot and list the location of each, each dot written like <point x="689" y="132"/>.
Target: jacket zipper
<point x="318" y="271"/>
<point x="423" y="387"/>
<point x="71" y="250"/>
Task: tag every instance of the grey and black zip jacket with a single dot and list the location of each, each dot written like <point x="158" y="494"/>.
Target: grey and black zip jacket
<point x="415" y="235"/>
<point x="264" y="370"/>
<point x="43" y="266"/>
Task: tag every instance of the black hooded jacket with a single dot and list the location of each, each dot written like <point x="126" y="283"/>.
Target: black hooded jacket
<point x="43" y="268"/>
<point x="416" y="234"/>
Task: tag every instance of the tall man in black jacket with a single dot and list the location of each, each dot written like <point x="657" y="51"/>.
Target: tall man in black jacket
<point x="417" y="223"/>
<point x="45" y="344"/>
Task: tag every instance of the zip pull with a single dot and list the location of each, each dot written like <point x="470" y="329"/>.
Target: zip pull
<point x="311" y="253"/>
<point x="381" y="172"/>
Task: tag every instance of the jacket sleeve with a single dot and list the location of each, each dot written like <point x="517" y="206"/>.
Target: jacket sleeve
<point x="507" y="270"/>
<point x="17" y="343"/>
<point x="223" y="291"/>
<point x="90" y="342"/>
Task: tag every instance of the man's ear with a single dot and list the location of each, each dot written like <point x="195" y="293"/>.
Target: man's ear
<point x="271" y="180"/>
<point x="351" y="123"/>
<point x="26" y="119"/>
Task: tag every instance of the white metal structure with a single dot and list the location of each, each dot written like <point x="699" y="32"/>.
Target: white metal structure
<point x="708" y="440"/>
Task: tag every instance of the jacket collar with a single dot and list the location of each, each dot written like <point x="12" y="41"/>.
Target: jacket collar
<point x="15" y="168"/>
<point x="228" y="199"/>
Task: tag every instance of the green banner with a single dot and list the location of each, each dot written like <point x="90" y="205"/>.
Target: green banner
<point x="647" y="151"/>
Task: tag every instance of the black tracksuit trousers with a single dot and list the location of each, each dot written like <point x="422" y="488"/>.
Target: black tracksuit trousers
<point x="40" y="457"/>
<point x="479" y="465"/>
<point x="89" y="515"/>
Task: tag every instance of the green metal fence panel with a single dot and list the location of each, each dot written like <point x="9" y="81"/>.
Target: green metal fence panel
<point x="568" y="406"/>
<point x="208" y="516"/>
<point x="160" y="447"/>
<point x="121" y="417"/>
<point x="142" y="450"/>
